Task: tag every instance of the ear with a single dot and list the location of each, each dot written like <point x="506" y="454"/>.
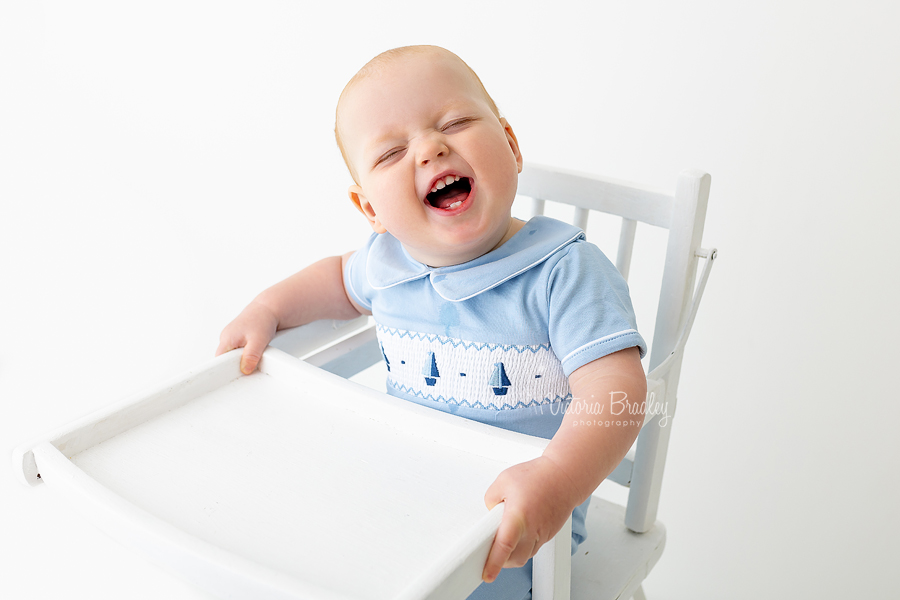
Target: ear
<point x="365" y="207"/>
<point x="513" y="142"/>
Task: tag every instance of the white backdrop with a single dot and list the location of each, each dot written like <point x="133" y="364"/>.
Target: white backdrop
<point x="162" y="162"/>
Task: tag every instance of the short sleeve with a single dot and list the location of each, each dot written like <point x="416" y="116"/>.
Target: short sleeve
<point x="590" y="311"/>
<point x="355" y="280"/>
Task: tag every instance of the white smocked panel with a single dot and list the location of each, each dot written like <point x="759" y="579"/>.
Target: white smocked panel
<point x="472" y="374"/>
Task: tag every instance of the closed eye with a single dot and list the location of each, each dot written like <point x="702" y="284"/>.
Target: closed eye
<point x="388" y="155"/>
<point x="457" y="123"/>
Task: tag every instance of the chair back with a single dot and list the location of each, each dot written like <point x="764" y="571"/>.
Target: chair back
<point x="683" y="214"/>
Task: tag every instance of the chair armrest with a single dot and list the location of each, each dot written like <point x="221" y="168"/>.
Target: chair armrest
<point x="660" y="371"/>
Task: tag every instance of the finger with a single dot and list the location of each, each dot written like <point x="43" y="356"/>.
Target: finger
<point x="252" y="353"/>
<point x="505" y="542"/>
<point x="228" y="341"/>
<point x="494" y="494"/>
<point x="223" y="348"/>
<point x="522" y="553"/>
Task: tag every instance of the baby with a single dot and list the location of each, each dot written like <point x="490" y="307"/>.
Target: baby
<point x="478" y="314"/>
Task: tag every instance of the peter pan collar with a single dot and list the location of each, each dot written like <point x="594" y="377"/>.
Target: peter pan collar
<point x="389" y="263"/>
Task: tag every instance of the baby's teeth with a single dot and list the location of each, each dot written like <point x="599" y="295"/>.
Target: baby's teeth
<point x="442" y="183"/>
<point x="455" y="204"/>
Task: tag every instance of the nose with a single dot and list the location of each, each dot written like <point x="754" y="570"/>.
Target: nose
<point x="429" y="148"/>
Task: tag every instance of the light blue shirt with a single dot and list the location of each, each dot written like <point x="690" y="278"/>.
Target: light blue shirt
<point x="495" y="339"/>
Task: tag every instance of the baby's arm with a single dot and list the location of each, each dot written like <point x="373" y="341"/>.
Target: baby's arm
<point x="540" y="494"/>
<point x="316" y="292"/>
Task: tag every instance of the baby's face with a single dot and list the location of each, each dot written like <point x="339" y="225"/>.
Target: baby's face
<point x="434" y="165"/>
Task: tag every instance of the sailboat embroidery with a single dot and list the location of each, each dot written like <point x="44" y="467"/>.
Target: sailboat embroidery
<point x="499" y="381"/>
<point x="430" y="370"/>
<point x="386" y="361"/>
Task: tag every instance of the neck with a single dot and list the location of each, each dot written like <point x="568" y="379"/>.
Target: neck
<point x="512" y="227"/>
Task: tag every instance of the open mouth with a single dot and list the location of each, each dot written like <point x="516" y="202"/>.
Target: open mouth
<point x="449" y="192"/>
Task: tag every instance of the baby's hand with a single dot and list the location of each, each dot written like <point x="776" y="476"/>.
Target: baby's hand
<point x="539" y="497"/>
<point x="252" y="330"/>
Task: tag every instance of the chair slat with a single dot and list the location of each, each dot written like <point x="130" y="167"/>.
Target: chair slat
<point x="627" y="200"/>
<point x="626" y="246"/>
<point x="581" y="218"/>
<point x="537" y="207"/>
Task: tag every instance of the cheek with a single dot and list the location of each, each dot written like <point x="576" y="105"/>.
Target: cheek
<point x="379" y="193"/>
<point x="501" y="153"/>
<point x="389" y="207"/>
<point x="502" y="162"/>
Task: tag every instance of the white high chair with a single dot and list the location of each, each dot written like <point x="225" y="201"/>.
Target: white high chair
<point x="294" y="482"/>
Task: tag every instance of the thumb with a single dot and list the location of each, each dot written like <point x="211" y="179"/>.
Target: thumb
<point x="251" y="356"/>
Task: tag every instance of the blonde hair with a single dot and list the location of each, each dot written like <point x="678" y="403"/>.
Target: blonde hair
<point x="378" y="64"/>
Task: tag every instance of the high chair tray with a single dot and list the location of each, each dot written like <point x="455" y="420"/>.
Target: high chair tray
<point x="288" y="483"/>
